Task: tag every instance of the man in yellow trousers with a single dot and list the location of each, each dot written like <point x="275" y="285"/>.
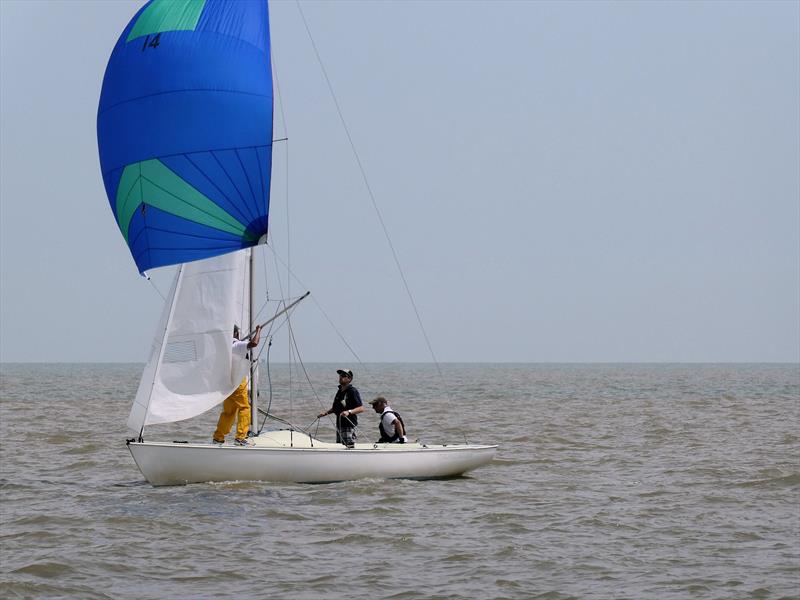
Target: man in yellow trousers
<point x="237" y="403"/>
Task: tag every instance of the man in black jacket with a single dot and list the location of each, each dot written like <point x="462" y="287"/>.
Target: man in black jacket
<point x="346" y="405"/>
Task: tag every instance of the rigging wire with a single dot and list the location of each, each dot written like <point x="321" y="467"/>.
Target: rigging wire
<point x="155" y="287"/>
<point x="293" y="341"/>
<point x="322" y="310"/>
<point x="369" y="189"/>
<point x="158" y="291"/>
<point x="302" y="364"/>
<point x="269" y="381"/>
<point x="290" y="356"/>
<point x="268" y="346"/>
<point x="294" y="351"/>
<point x="282" y="112"/>
<point x="276" y="326"/>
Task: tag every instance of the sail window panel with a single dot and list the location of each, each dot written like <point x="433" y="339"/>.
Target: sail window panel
<point x="185" y="351"/>
<point x="206" y="372"/>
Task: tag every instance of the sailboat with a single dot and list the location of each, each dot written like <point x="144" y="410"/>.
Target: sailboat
<point x="185" y="134"/>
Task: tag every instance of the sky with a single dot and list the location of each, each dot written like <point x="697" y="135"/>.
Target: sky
<point x="560" y="181"/>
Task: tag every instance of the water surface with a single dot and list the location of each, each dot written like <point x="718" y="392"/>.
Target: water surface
<point x="611" y="481"/>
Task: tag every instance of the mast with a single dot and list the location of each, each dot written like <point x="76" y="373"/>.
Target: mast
<point x="253" y="363"/>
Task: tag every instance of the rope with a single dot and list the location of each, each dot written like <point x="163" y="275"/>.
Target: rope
<point x="288" y="223"/>
<point x="269" y="381"/>
<point x="284" y="123"/>
<point x="158" y="291"/>
<point x="369" y="189"/>
<point x="303" y="366"/>
<point x="321" y="310"/>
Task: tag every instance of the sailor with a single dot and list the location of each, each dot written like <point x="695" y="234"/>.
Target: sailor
<point x="391" y="424"/>
<point x="346" y="405"/>
<point x="237" y="402"/>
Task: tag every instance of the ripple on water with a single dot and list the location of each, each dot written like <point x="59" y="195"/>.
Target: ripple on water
<point x="26" y="589"/>
<point x="778" y="480"/>
<point x="46" y="569"/>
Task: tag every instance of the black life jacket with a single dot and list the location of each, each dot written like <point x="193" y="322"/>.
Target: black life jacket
<point x="386" y="438"/>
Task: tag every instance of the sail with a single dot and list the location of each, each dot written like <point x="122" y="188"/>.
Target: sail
<point x="184" y="129"/>
<point x="191" y="366"/>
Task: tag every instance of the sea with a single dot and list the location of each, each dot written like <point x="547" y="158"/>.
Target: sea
<point x="663" y="481"/>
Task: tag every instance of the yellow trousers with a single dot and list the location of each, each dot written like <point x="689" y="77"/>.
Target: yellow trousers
<point x="237" y="402"/>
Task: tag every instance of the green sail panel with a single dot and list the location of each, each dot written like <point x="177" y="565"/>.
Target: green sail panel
<point x="167" y="15"/>
<point x="151" y="183"/>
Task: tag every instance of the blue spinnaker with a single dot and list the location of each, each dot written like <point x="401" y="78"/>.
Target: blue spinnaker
<point x="184" y="129"/>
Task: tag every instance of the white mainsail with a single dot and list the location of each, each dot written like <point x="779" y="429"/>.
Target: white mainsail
<point x="191" y="367"/>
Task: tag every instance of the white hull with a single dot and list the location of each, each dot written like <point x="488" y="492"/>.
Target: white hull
<point x="284" y="456"/>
